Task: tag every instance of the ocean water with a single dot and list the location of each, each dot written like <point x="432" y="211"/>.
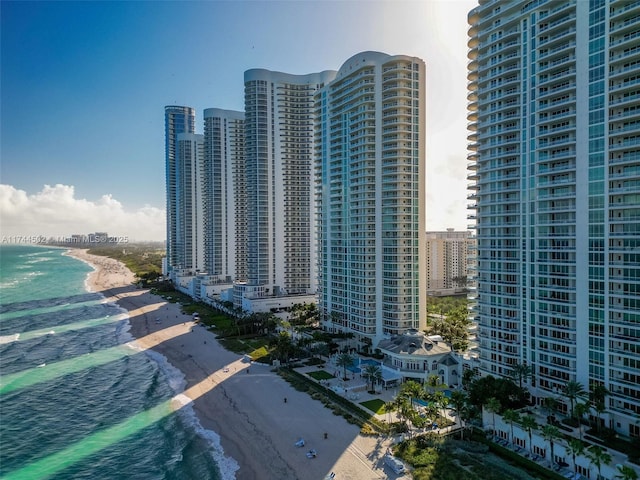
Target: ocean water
<point x="77" y="399"/>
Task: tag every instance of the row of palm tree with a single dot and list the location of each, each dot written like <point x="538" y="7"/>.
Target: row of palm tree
<point x="551" y="434"/>
<point x="572" y="391"/>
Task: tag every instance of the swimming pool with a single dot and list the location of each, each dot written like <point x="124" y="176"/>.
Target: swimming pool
<point x="356" y="369"/>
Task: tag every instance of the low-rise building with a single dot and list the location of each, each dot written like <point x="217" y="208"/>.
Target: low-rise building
<point x="417" y="356"/>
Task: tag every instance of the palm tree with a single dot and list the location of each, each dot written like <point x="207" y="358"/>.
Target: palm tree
<point x="467" y="377"/>
<point x="575" y="448"/>
<point x="528" y="422"/>
<point x="600" y="408"/>
<point x="431" y="411"/>
<point x="283" y="348"/>
<point x="344" y="360"/>
<point x="459" y="401"/>
<point x="322" y="349"/>
<point x="520" y="373"/>
<point x="572" y="390"/>
<point x="433" y="381"/>
<point x="441" y="401"/>
<point x="598" y="456"/>
<point x="580" y="411"/>
<point x="405" y="410"/>
<point x="626" y="473"/>
<point x="493" y="406"/>
<point x="390" y="407"/>
<point x="373" y="373"/>
<point x="510" y="416"/>
<point x="598" y="397"/>
<point x="550" y="403"/>
<point x="412" y="390"/>
<point x="551" y="433"/>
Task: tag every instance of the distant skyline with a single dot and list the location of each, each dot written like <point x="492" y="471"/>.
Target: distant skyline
<point x="84" y="85"/>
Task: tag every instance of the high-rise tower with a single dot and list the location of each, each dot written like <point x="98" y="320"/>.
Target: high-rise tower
<point x="224" y="195"/>
<point x="555" y="149"/>
<point x="281" y="237"/>
<point x="370" y="159"/>
<point x="177" y="120"/>
<point x="189" y="235"/>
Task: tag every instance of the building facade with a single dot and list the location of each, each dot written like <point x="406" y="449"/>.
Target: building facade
<point x="555" y="150"/>
<point x="224" y="195"/>
<point x="280" y="213"/>
<point x="448" y="255"/>
<point x="189" y="232"/>
<point x="177" y="119"/>
<point x="370" y="159"/>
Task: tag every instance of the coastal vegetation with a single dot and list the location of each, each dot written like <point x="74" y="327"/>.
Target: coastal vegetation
<point x="143" y="259"/>
<point x="449" y="318"/>
<point x="435" y="457"/>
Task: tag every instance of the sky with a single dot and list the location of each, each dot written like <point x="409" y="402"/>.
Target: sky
<point x="84" y="85"/>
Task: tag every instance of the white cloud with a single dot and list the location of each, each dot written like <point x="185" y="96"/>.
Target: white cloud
<point x="55" y="211"/>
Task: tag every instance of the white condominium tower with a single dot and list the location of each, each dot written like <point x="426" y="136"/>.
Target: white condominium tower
<point x="189" y="236"/>
<point x="555" y="149"/>
<point x="281" y="236"/>
<point x="177" y="120"/>
<point x="370" y="159"/>
<point x="224" y="195"/>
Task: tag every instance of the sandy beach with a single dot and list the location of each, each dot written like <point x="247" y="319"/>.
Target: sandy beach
<point x="242" y="402"/>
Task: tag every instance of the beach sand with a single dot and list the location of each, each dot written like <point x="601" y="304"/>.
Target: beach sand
<point x="242" y="402"/>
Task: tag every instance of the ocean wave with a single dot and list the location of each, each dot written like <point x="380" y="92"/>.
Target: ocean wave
<point x="9" y="338"/>
<point x="39" y="260"/>
<point x="176" y="380"/>
<point x="35" y="254"/>
<point x="9" y="283"/>
<point x="22" y="280"/>
<point x="227" y="465"/>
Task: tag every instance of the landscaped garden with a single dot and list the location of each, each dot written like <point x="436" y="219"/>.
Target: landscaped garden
<point x="320" y="375"/>
<point x="376" y="405"/>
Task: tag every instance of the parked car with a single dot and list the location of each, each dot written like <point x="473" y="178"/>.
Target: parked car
<point x="394" y="463"/>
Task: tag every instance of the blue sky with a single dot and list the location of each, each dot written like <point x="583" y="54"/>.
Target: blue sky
<point x="84" y="85"/>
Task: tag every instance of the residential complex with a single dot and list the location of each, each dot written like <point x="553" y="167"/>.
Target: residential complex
<point x="280" y="178"/>
<point x="315" y="193"/>
<point x="224" y="195"/>
<point x="448" y="259"/>
<point x="554" y="95"/>
<point x="370" y="151"/>
<point x="176" y="120"/>
<point x="189" y="239"/>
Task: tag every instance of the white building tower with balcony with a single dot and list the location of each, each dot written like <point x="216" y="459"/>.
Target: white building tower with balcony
<point x="555" y="147"/>
<point x="370" y="159"/>
<point x="224" y="196"/>
<point x="280" y="178"/>
<point x="189" y="233"/>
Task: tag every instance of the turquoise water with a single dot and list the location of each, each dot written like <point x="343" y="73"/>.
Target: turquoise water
<point x="77" y="402"/>
<point x="355" y="369"/>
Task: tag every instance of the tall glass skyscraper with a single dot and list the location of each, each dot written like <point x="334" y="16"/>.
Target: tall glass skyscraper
<point x="189" y="244"/>
<point x="555" y="150"/>
<point x="370" y="159"/>
<point x="177" y="120"/>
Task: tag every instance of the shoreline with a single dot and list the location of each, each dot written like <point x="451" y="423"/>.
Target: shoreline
<point x="237" y="402"/>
